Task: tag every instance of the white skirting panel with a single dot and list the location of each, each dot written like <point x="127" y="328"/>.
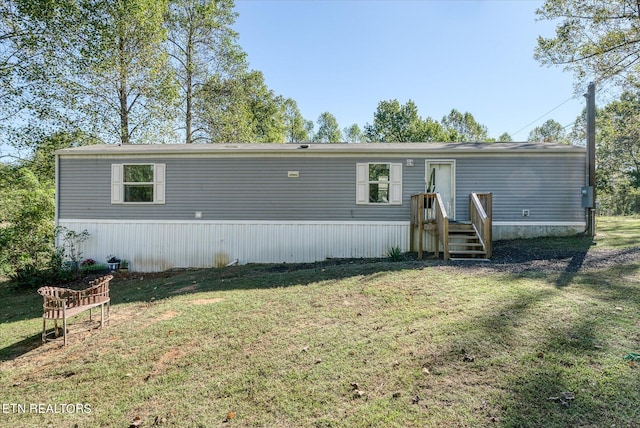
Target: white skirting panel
<point x="153" y="246"/>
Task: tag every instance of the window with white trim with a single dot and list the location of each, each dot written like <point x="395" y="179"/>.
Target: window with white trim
<point x="379" y="183"/>
<point x="138" y="183"/>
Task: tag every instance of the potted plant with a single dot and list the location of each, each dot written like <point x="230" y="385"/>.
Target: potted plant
<point x="113" y="262"/>
<point x="124" y="265"/>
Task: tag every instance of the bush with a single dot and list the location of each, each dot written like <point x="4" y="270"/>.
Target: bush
<point x="32" y="276"/>
<point x="94" y="268"/>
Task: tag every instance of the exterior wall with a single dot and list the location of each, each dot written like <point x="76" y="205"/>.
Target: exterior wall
<point x="259" y="189"/>
<point x="152" y="246"/>
<point x="252" y="211"/>
<point x="548" y="186"/>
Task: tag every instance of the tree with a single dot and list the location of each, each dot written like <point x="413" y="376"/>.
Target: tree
<point x="23" y="71"/>
<point x="308" y="126"/>
<point x="27" y="209"/>
<point x="241" y="109"/>
<point x="42" y="160"/>
<point x="107" y="71"/>
<point x="618" y="154"/>
<point x="549" y="132"/>
<point x="464" y="126"/>
<point x="353" y="134"/>
<point x="328" y="129"/>
<point x="13" y="30"/>
<point x="295" y="124"/>
<point x="619" y="139"/>
<point x="393" y="122"/>
<point x="505" y="137"/>
<point x="201" y="43"/>
<point x="595" y="39"/>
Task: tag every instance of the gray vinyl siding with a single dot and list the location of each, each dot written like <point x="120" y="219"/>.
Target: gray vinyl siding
<point x="255" y="188"/>
<point x="548" y="186"/>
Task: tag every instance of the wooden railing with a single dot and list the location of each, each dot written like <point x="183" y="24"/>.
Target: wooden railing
<point x="480" y="213"/>
<point x="422" y="213"/>
<point x="428" y="213"/>
<point x="442" y="222"/>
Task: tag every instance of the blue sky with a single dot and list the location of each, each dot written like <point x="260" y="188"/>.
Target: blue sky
<point x="345" y="56"/>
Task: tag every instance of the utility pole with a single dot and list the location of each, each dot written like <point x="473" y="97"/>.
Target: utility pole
<point x="590" y="202"/>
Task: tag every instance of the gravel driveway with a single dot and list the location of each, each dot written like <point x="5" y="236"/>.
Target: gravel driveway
<point x="516" y="256"/>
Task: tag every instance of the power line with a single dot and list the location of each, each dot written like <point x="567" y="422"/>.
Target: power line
<point x="544" y="115"/>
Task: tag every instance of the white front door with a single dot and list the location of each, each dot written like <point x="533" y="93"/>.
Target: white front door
<point x="441" y="178"/>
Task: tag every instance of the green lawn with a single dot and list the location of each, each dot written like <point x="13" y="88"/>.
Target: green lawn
<point x="342" y="345"/>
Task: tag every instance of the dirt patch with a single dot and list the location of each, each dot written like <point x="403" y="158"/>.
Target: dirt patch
<point x="167" y="359"/>
<point x="206" y="301"/>
<point x="167" y="315"/>
<point x="187" y="289"/>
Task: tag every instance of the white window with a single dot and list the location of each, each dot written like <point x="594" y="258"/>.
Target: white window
<point x="137" y="183"/>
<point x="379" y="183"/>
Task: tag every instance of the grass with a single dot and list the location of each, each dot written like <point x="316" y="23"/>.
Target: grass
<point x="339" y="345"/>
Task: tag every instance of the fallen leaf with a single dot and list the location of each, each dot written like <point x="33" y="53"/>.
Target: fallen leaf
<point x="137" y="422"/>
<point x="540" y="355"/>
<point x="230" y="416"/>
<point x="415" y="400"/>
<point x="355" y="385"/>
<point x="469" y="358"/>
<point x="425" y="371"/>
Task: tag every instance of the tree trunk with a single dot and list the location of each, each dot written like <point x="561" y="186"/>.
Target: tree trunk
<point x="189" y="89"/>
<point x="122" y="94"/>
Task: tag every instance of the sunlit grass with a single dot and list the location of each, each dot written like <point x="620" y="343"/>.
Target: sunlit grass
<point x="618" y="232"/>
<point x="360" y="344"/>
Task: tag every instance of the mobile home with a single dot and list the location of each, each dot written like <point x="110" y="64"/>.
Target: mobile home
<point x="168" y="206"/>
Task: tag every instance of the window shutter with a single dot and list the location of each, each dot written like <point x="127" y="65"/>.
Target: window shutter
<point x="159" y="183"/>
<point x="395" y="192"/>
<point x="362" y="180"/>
<point x="116" y="184"/>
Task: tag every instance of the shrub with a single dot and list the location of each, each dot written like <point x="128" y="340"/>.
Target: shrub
<point x="95" y="268"/>
<point x="31" y="276"/>
<point x="395" y="254"/>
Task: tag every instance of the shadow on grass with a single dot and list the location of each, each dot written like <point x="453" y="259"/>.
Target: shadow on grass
<point x="573" y="267"/>
<point x="144" y="287"/>
<point x="574" y="362"/>
<point x="579" y="351"/>
<point x="18" y="304"/>
<point x="570" y="357"/>
<point x="20" y="348"/>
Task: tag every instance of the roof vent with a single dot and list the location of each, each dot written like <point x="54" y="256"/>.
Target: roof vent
<point x="304" y="146"/>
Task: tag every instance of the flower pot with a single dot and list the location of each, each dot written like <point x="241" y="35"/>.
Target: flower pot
<point x="113" y="266"/>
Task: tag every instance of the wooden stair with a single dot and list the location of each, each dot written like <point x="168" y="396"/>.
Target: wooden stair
<point x="456" y="240"/>
<point x="464" y="242"/>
